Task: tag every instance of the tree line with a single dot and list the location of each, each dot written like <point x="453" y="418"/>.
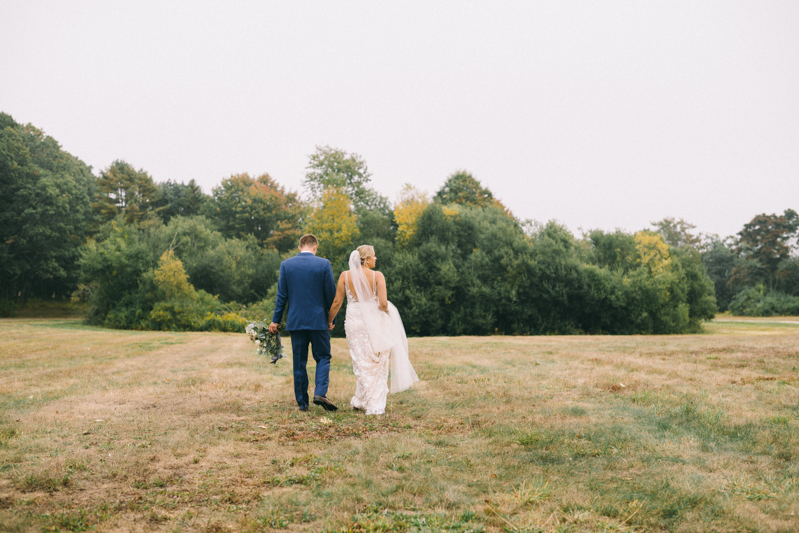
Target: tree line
<point x="149" y="255"/>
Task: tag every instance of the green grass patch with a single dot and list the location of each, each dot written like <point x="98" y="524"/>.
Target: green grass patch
<point x="194" y="431"/>
<point x="42" y="483"/>
<point x="381" y="520"/>
<point x="6" y="434"/>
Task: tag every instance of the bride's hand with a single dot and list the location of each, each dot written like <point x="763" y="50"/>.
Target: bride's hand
<point x="330" y="326"/>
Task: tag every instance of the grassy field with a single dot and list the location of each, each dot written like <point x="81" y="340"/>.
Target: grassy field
<point x="138" y="431"/>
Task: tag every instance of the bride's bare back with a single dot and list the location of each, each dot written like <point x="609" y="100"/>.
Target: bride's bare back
<point x="377" y="281"/>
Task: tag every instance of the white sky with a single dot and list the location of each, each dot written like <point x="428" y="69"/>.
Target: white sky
<point x="598" y="114"/>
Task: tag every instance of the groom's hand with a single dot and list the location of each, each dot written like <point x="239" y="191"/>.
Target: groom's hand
<point x="330" y="326"/>
<point x="272" y="328"/>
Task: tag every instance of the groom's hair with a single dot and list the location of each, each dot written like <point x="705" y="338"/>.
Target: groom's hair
<point x="308" y="241"/>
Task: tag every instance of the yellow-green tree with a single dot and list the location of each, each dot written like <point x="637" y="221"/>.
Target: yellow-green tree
<point x="335" y="225"/>
<point x="412" y="203"/>
<point x="180" y="307"/>
<point x="653" y="252"/>
<point x="171" y="277"/>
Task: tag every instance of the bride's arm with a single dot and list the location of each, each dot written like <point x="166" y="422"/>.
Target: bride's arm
<point x="337" y="301"/>
<point x="382" y="295"/>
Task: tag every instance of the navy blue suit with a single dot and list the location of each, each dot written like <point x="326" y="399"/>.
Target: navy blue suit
<point x="307" y="286"/>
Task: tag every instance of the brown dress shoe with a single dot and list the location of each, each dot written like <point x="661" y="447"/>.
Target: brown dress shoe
<point x="324" y="402"/>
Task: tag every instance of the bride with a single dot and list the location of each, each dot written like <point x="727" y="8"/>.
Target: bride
<point x="375" y="333"/>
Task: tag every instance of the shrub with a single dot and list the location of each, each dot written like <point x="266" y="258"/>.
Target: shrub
<point x="7" y="308"/>
<point x="178" y="315"/>
<point x="226" y="322"/>
<point x="474" y="271"/>
<point x="758" y="301"/>
<point x="235" y="270"/>
<point x="133" y="284"/>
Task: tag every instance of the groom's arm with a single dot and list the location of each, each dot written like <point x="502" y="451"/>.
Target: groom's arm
<point x="330" y="288"/>
<point x="282" y="296"/>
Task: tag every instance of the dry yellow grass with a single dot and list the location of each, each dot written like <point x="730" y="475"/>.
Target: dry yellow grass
<point x="142" y="431"/>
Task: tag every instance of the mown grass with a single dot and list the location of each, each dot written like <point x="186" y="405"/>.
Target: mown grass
<point x="112" y="430"/>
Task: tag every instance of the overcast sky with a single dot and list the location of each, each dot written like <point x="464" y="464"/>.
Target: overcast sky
<point x="597" y="114"/>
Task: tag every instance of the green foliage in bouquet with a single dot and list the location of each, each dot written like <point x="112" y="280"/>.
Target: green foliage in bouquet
<point x="267" y="343"/>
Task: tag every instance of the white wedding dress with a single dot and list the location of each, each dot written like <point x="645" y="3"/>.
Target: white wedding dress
<point x="377" y="343"/>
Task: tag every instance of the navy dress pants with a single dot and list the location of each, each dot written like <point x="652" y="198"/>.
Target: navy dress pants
<point x="319" y="341"/>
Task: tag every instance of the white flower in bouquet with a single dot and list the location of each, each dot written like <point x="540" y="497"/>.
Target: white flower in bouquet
<point x="265" y="342"/>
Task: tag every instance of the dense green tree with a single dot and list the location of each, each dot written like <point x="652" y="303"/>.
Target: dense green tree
<point x="235" y="270"/>
<point x="761" y="300"/>
<point x="615" y="250"/>
<point x="462" y="273"/>
<point x="259" y="207"/>
<point x="643" y="286"/>
<point x="788" y="276"/>
<point x="376" y="225"/>
<point x="422" y="284"/>
<point x="113" y="267"/>
<point x="764" y="243"/>
<point x="330" y="168"/>
<point x="553" y="283"/>
<point x="700" y="290"/>
<point x="121" y="189"/>
<point x="189" y="237"/>
<point x="178" y="199"/>
<point x="601" y="303"/>
<point x="721" y="260"/>
<point x="45" y="213"/>
<point x="463" y="188"/>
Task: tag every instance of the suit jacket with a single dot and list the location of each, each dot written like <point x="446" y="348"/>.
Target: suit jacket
<point x="307" y="286"/>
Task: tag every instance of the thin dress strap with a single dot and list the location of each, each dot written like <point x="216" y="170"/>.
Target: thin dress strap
<point x="350" y="294"/>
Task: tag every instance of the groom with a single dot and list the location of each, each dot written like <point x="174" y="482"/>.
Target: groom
<point x="306" y="284"/>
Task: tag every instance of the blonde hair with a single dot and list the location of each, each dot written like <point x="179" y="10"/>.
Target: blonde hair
<point x="365" y="251"/>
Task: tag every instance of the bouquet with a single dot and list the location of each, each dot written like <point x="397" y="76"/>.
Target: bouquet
<point x="267" y="343"/>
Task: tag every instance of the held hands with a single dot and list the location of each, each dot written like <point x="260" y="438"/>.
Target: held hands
<point x="330" y="326"/>
<point x="272" y="328"/>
